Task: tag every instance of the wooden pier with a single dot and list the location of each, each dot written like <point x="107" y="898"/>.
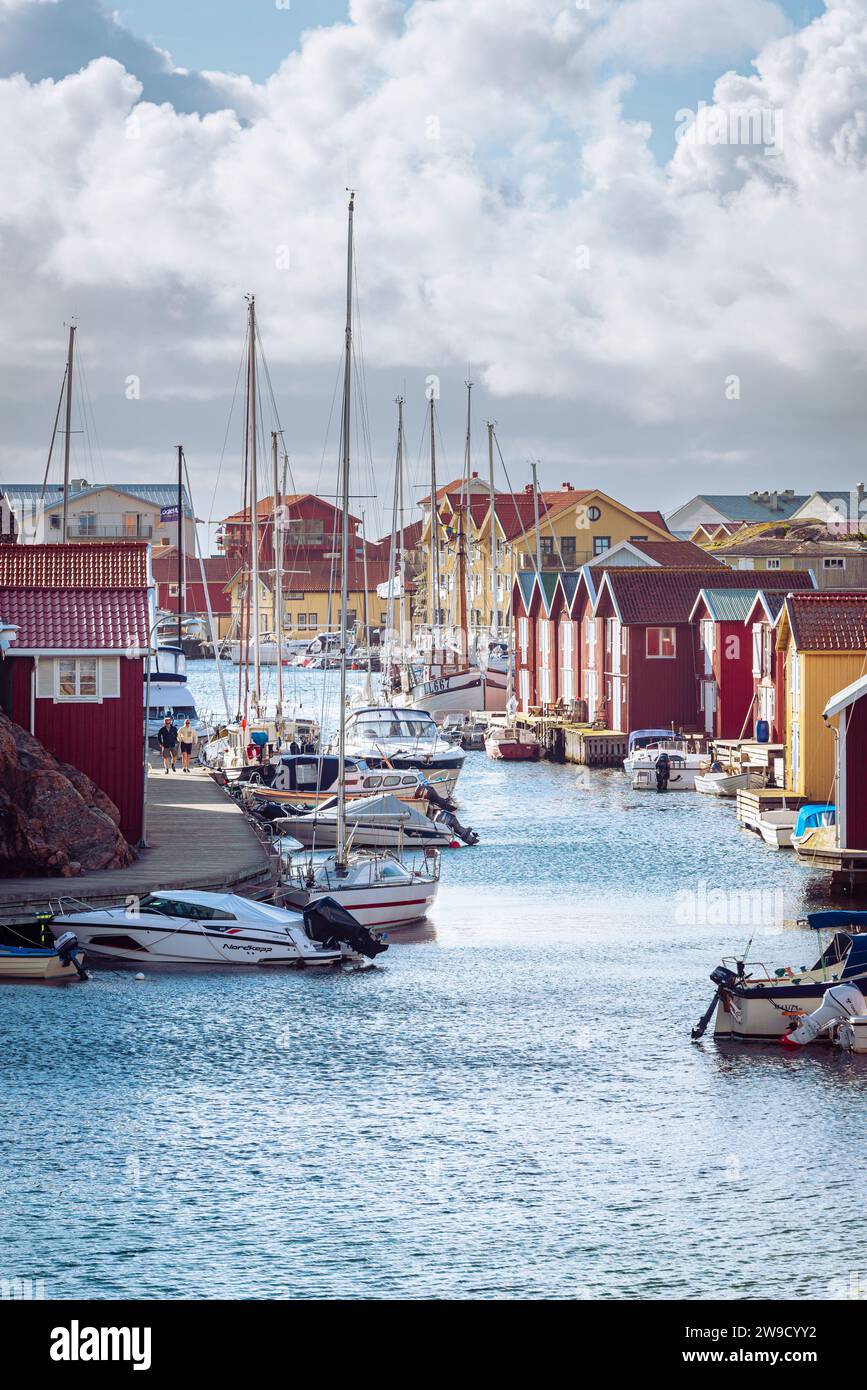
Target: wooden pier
<point x="197" y="838"/>
<point x="752" y="803"/>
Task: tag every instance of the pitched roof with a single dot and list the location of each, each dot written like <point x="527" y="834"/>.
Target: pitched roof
<point x="680" y="554"/>
<point x="752" y="506"/>
<point x="78" y="565"/>
<point x="655" y="519"/>
<point x="667" y="596"/>
<point x="165" y="567"/>
<point x="791" y="538"/>
<point x="770" y="604"/>
<point x="727" y="605"/>
<point x="265" y="508"/>
<point x="455" y="485"/>
<point x="31" y="496"/>
<point x="77" y="620"/>
<point x="830" y="621"/>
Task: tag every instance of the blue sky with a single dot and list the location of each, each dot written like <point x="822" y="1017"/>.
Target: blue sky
<point x="255" y="36"/>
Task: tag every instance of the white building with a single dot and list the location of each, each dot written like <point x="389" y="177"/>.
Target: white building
<point x="96" y="512"/>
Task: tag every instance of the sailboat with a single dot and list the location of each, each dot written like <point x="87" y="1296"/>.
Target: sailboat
<point x="378" y="889"/>
<point x="449" y="681"/>
<point x="509" y="742"/>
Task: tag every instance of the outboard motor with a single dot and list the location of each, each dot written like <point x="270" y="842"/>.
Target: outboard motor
<point x="327" y="922"/>
<point x="435" y="798"/>
<point x="663" y="772"/>
<point x="66" y="946"/>
<point x="463" y="832"/>
<point x="838" y="1003"/>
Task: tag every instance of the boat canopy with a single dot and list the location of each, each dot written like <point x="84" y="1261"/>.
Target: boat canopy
<point x="640" y="738"/>
<point x="817" y="814"/>
<point x="837" y="919"/>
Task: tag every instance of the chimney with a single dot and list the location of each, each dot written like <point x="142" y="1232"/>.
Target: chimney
<point x="528" y="489"/>
<point x="475" y="475"/>
<point x="566" y="487"/>
<point x="78" y="484"/>
<point x="773" y="501"/>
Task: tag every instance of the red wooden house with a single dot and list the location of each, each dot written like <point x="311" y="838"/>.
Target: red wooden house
<point x="74" y="676"/>
<point x="848" y="710"/>
<point x="312" y="530"/>
<point x="217" y="576"/>
<point x="768" y="665"/>
<point x="646" y="660"/>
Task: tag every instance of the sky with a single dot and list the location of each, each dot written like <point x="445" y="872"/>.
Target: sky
<point x="640" y="222"/>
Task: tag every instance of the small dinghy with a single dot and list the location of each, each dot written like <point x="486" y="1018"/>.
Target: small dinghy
<point x="25" y="955"/>
<point x="512" y="744"/>
<point x="775" y="828"/>
<point x="726" y="783"/>
<point x="811" y="821"/>
<point x="753" y="1003"/>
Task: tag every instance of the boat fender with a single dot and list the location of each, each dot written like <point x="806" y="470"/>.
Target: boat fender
<point x="838" y="1003"/>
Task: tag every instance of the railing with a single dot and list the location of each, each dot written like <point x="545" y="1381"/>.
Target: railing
<point x="111" y="533"/>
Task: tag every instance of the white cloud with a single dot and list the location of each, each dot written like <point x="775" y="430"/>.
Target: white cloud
<point x="487" y="152"/>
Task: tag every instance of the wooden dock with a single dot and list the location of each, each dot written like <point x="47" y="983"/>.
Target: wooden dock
<point x="197" y="838"/>
<point x="752" y="802"/>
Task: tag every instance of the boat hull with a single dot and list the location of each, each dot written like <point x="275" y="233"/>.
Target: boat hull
<point x="767" y="1015"/>
<point x="513" y="750"/>
<point x="722" y="784"/>
<point x="191" y="944"/>
<point x="317" y="832"/>
<point x="377" y="907"/>
<point x="465" y="692"/>
<point x="27" y="963"/>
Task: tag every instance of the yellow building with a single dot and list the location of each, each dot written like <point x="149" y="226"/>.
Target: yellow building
<point x="575" y="527"/>
<point x="823" y="641"/>
<point x="311" y="600"/>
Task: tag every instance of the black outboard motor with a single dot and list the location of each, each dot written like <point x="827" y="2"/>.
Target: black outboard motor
<point x="435" y="798"/>
<point x="66" y="946"/>
<point x="463" y="832"/>
<point x="329" y="923"/>
<point x="663" y="772"/>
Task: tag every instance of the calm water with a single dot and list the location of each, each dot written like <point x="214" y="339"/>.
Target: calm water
<point x="509" y="1106"/>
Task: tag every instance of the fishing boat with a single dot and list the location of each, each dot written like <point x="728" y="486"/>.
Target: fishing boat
<point x="811" y="829"/>
<point x="380" y="891"/>
<point x="387" y="737"/>
<point x="183" y="927"/>
<point x="307" y="781"/>
<point x="776" y="827"/>
<point x="643" y="749"/>
<point x="466" y="731"/>
<point x="381" y="822"/>
<point x="718" y="783"/>
<point x="754" y="1003"/>
<point x="509" y="743"/>
<point x="26" y="954"/>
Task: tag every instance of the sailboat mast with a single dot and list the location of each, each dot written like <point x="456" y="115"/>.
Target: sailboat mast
<point x="254" y="496"/>
<point x="401" y="552"/>
<point x="463" y="538"/>
<point x="277" y="541"/>
<point x="70" y="357"/>
<point x="344" y="550"/>
<point x="495" y="616"/>
<point x="536" y="520"/>
<point x="181" y="575"/>
<point x="434" y="530"/>
<point x="392" y="544"/>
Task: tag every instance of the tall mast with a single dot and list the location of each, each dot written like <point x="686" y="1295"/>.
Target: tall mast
<point x="463" y="538"/>
<point x="536" y="520"/>
<point x="70" y="357"/>
<point x="277" y="541"/>
<point x="434" y="530"/>
<point x="181" y="575"/>
<point x="401" y="553"/>
<point x="254" y="494"/>
<point x="495" y="616"/>
<point x="392" y="545"/>
<point x="366" y="592"/>
<point x="344" y="550"/>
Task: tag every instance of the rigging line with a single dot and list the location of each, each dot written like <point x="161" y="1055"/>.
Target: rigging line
<point x="53" y="436"/>
<point x="328" y="426"/>
<point x="88" y="418"/>
<point x="226" y="435"/>
<point x="513" y="496"/>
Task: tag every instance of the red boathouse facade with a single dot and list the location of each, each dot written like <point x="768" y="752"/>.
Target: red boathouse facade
<point x="74" y="674"/>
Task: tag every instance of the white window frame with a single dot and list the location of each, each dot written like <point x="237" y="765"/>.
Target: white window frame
<point x="833" y="562"/>
<point x="773" y="564"/>
<point x="523" y="636"/>
<point x="102" y="685"/>
<point x="660" y="656"/>
<point x="758" y="648"/>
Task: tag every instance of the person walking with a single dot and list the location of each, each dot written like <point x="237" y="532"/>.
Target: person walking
<point x="167" y="738"/>
<point x="186" y="738"/>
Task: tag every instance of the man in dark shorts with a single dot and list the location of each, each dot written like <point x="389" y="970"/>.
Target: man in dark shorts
<point x="167" y="738"/>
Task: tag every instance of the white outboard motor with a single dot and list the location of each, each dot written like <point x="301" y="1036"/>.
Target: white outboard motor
<point x="838" y="1003"/>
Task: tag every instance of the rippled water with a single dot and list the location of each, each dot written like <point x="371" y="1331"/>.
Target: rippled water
<point x="509" y="1106"/>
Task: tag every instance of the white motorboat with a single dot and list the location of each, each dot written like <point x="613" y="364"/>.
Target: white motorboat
<point x="752" y="1002"/>
<point x="300" y="782"/>
<point x="290" y="650"/>
<point x="442" y="690"/>
<point x="380" y="891"/>
<point x="371" y="822"/>
<point x="166" y="692"/>
<point x="182" y="927"/>
<point x="726" y="783"/>
<point x="775" y="827"/>
<point x="403" y="740"/>
<point x="642" y="754"/>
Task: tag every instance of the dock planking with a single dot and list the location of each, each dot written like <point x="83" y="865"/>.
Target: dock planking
<point x="197" y="838"/>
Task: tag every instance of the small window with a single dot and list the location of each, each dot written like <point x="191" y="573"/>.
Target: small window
<point x="173" y="591"/>
<point x="77" y="678"/>
<point x="312" y="620"/>
<point x="636" y="539"/>
<point x="833" y="562"/>
<point x="55" y="523"/>
<point x="594" y="512"/>
<point x="601" y="543"/>
<point x="773" y="564"/>
<point x="661" y="642"/>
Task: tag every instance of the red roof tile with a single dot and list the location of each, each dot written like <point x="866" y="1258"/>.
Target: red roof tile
<point x="76" y="619"/>
<point x="165" y="567"/>
<point x="655" y="519"/>
<point x="682" y="554"/>
<point x="80" y="565"/>
<point x="829" y="622"/>
<point x="667" y="595"/>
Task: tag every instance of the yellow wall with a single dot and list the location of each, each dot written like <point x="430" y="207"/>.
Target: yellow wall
<point x="615" y="522"/>
<point x="822" y="674"/>
<point x="315" y="608"/>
